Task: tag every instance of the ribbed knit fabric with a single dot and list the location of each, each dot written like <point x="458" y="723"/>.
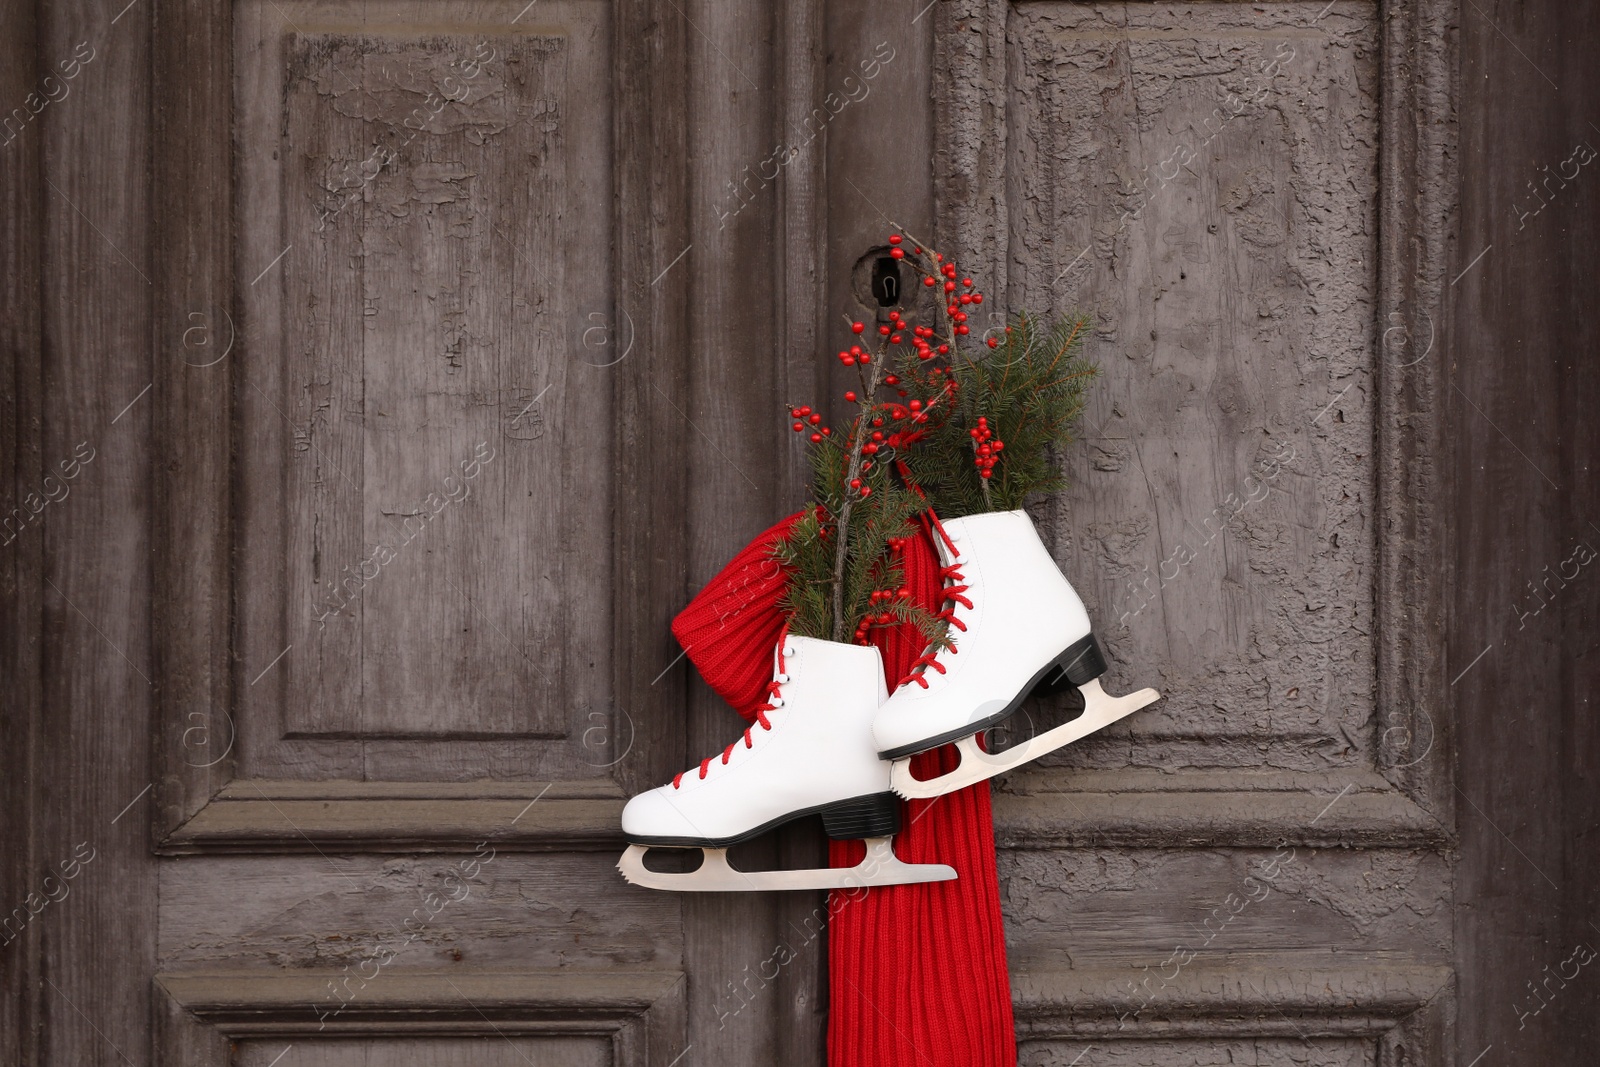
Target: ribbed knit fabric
<point x="731" y="627"/>
<point x="917" y="973"/>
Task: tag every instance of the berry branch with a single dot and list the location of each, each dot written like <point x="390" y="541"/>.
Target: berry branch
<point x="858" y="440"/>
<point x="967" y="435"/>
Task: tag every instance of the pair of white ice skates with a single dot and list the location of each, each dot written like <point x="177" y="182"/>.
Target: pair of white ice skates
<point x="831" y="740"/>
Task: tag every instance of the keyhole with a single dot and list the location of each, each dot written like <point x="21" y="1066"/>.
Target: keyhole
<point x="886" y="282"/>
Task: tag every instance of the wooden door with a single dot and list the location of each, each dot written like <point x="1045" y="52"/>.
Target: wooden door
<point x="385" y="374"/>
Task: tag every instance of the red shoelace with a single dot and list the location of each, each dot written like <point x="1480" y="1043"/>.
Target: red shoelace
<point x="774" y="692"/>
<point x="952" y="596"/>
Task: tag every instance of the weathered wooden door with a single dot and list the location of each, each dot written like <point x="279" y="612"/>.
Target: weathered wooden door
<point x="387" y="373"/>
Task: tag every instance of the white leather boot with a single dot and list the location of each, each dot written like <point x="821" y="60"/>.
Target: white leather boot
<point x="1017" y="626"/>
<point x="809" y="751"/>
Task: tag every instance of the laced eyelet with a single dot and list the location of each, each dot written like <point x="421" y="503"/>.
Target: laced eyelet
<point x="774" y="702"/>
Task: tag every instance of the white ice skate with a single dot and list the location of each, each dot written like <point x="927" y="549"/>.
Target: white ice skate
<point x="809" y="751"/>
<point x="1017" y="627"/>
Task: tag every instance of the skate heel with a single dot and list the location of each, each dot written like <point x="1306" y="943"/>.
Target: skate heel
<point x="1079" y="665"/>
<point x="876" y="815"/>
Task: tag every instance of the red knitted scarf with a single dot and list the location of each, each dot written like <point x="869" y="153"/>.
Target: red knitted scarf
<point x="917" y="973"/>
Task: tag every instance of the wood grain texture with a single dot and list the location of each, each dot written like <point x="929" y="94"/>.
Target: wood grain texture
<point x="1206" y="1052"/>
<point x="22" y="470"/>
<point x="196" y="340"/>
<point x="1141" y="906"/>
<point x="96" y="655"/>
<point x="1242" y="255"/>
<point x="455" y="188"/>
<point x="480" y="1051"/>
<point x="1323" y="995"/>
<point x="634" y="1013"/>
<point x="263" y="815"/>
<point x="1524" y="621"/>
<point x="1097" y="809"/>
<point x="371" y="918"/>
<point x="730" y="418"/>
<point x="1220" y="536"/>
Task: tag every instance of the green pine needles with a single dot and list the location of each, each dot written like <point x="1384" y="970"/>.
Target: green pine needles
<point x="872" y="575"/>
<point x="1029" y="392"/>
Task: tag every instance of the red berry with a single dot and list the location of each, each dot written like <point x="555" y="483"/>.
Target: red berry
<point x="985" y="474"/>
<point x="894" y="238"/>
<point x="967" y="282"/>
<point x="916" y="405"/>
<point x="966" y="298"/>
<point x="962" y="330"/>
<point x="977" y="298"/>
<point x="857" y="327"/>
<point x="944" y="350"/>
<point x="869" y="449"/>
<point x="848" y="361"/>
<point x="855" y="483"/>
<point x="827" y="431"/>
<point x="890" y="379"/>
<point x="815" y="438"/>
<point x="895" y="339"/>
<point x="851" y="396"/>
<point x="866" y="492"/>
<point x="897" y="253"/>
<point x="938" y="256"/>
<point x="799" y="426"/>
<point x="927" y="281"/>
<point x="949" y="287"/>
<point x="814" y="419"/>
<point x="992" y="343"/>
<point x="884" y="329"/>
<point x="865" y="358"/>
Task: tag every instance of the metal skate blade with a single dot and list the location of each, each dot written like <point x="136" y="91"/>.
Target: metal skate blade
<point x="880" y="866"/>
<point x="1100" y="710"/>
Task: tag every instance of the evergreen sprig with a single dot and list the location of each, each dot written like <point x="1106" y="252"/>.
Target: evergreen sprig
<point x="1030" y="390"/>
<point x="878" y="519"/>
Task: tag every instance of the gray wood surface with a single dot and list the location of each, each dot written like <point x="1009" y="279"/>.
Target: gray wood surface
<point x="1233" y="192"/>
<point x="1524" y="612"/>
<point x="22" y="196"/>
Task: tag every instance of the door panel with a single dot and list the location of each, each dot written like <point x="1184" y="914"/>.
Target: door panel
<point x="400" y="715"/>
<point x="427" y="482"/>
<point x="1218" y="185"/>
<point x="1229" y="260"/>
